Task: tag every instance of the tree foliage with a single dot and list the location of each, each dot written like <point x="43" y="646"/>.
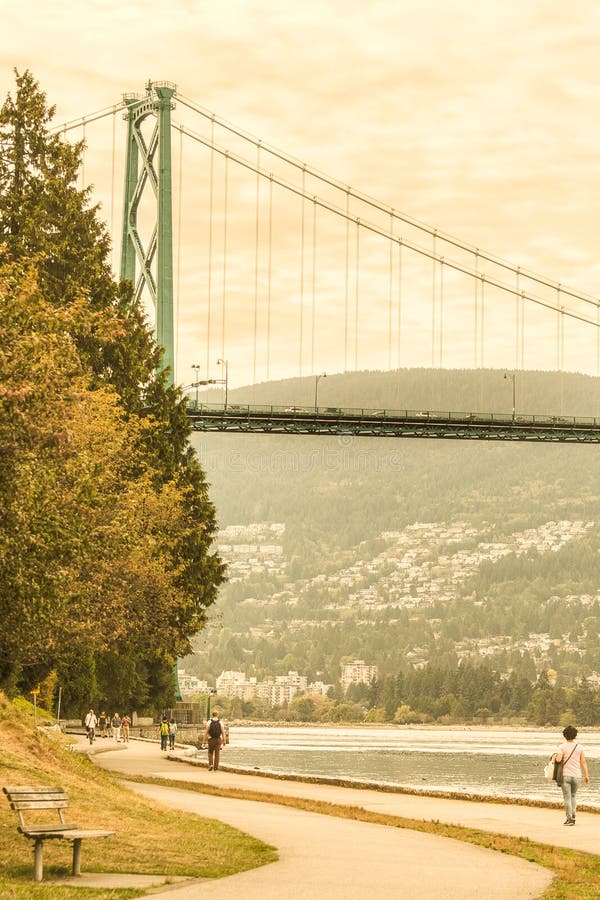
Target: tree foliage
<point x="107" y="527"/>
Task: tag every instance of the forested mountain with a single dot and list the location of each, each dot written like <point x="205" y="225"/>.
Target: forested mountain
<point x="410" y="553"/>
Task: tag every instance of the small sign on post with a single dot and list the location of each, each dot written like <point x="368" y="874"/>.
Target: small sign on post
<point x="35" y="693"/>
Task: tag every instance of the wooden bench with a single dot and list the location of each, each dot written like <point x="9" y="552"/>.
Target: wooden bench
<point x="24" y="798"/>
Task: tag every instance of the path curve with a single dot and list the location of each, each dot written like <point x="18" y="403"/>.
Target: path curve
<point x="326" y="856"/>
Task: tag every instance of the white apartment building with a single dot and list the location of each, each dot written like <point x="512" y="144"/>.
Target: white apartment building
<point x="357" y="672"/>
<point x="275" y="692"/>
<point x="190" y="685"/>
<point x="235" y="684"/>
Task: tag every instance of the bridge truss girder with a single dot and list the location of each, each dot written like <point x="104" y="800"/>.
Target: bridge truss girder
<point x="249" y="420"/>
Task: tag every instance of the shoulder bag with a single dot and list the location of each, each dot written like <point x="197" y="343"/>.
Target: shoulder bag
<point x="557" y="774"/>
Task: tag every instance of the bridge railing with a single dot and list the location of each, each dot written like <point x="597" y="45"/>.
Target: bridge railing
<point x="335" y="412"/>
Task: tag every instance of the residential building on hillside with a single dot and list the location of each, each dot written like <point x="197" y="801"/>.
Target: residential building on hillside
<point x="274" y="691"/>
<point x="357" y="672"/>
<point x="190" y="685"/>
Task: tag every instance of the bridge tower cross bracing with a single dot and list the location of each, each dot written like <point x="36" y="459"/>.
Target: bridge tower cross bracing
<point x="137" y="259"/>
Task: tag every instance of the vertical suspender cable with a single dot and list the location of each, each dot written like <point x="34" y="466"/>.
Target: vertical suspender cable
<point x="269" y="270"/>
<point x="598" y="340"/>
<point x="441" y="311"/>
<point x="256" y="237"/>
<point x="210" y="236"/>
<point x="112" y="186"/>
<point x="83" y="152"/>
<point x="522" y="329"/>
<point x="225" y="212"/>
<point x="482" y="320"/>
<point x="476" y="314"/>
<point x="179" y="216"/>
<point x="357" y="295"/>
<point x="481" y="339"/>
<point x="301" y="271"/>
<point x="347" y="289"/>
<point x="560" y="347"/>
<point x="522" y="304"/>
<point x="517" y="322"/>
<point x="433" y="260"/>
<point x="399" y="302"/>
<point x="314" y="285"/>
<point x="390" y="289"/>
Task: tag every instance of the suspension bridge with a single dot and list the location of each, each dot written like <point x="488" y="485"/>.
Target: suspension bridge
<point x="251" y="261"/>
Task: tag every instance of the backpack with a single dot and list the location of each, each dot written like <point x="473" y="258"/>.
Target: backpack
<point x="214" y="729"/>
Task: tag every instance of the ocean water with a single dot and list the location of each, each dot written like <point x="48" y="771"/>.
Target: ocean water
<point x="482" y="762"/>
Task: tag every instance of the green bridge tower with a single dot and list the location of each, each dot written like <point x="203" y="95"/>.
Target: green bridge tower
<point x="157" y="102"/>
<point x="150" y="266"/>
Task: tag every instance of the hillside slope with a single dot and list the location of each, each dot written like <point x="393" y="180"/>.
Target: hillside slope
<point x="354" y="512"/>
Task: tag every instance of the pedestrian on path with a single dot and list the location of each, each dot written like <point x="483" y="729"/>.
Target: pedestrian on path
<point x="125" y="723"/>
<point x="172" y="734"/>
<point x="91" y="721"/>
<point x="102" y="724"/>
<point x="575" y="763"/>
<point x="116" y="725"/>
<point x="214" y="737"/>
<point x="163" y="730"/>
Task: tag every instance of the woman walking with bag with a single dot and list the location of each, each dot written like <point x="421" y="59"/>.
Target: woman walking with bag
<point x="574" y="763"/>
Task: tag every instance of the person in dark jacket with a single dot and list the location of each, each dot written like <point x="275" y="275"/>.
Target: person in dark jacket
<point x="214" y="737"/>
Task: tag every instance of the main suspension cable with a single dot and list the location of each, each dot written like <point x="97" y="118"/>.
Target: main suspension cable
<point x="410" y="245"/>
<point x="380" y="207"/>
<point x="91" y="117"/>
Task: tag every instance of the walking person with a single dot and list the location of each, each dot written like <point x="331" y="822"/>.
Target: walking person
<point x="573" y="757"/>
<point x="172" y="734"/>
<point x="102" y="724"/>
<point x="91" y="721"/>
<point x="163" y="730"/>
<point x="125" y="723"/>
<point x="214" y="737"/>
<point x="116" y="726"/>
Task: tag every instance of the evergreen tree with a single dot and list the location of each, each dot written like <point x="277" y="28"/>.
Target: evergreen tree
<point x="109" y="526"/>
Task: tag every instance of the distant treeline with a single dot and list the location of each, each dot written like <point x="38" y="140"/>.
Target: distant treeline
<point x="440" y="695"/>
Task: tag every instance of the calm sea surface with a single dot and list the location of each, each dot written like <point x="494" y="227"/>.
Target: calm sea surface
<point x="493" y="763"/>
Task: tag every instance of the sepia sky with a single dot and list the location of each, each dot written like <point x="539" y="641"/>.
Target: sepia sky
<point x="478" y="119"/>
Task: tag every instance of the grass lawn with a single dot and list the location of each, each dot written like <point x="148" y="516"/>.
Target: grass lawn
<point x="149" y="839"/>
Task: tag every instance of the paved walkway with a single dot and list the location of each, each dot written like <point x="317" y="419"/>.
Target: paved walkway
<point x="340" y="858"/>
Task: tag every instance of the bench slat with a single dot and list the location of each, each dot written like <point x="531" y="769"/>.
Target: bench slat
<point x="72" y="834"/>
<point x="86" y="833"/>
<point x="41" y="789"/>
<point x="38" y="804"/>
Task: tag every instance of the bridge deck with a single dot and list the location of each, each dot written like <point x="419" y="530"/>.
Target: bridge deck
<point x="393" y="423"/>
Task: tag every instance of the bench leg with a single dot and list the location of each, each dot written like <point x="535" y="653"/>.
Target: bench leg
<point x="38" y="861"/>
<point x="77" y="856"/>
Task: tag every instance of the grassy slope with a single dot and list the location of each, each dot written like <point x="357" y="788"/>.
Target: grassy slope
<point x="149" y="839"/>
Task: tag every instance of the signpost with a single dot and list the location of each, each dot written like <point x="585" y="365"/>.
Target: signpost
<point x="35" y="693"/>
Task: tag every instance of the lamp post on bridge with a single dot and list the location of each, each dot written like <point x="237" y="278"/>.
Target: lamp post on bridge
<point x="514" y="391"/>
<point x="196" y="382"/>
<point x="225" y="364"/>
<point x="211" y="691"/>
<point x="317" y="377"/>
